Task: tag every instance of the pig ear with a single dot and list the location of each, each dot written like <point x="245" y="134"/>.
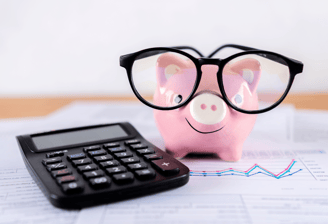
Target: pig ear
<point x="250" y="70"/>
<point x="168" y="65"/>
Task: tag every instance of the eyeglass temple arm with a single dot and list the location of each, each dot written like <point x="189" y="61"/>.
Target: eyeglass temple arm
<point x="240" y="47"/>
<point x="190" y="48"/>
<point x="152" y="53"/>
<point x="156" y="52"/>
<point x="298" y="66"/>
<point x="244" y="48"/>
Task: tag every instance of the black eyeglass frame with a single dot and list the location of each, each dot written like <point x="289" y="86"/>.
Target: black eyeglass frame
<point x="295" y="67"/>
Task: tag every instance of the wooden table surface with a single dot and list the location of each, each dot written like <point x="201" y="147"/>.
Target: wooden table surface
<point x="31" y="107"/>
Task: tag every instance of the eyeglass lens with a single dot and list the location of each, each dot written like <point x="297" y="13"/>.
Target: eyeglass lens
<point x="164" y="78"/>
<point x="253" y="82"/>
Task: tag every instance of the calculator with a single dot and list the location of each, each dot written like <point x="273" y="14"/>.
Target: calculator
<point x="85" y="166"/>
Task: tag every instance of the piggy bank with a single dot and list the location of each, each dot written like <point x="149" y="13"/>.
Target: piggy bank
<point x="206" y="124"/>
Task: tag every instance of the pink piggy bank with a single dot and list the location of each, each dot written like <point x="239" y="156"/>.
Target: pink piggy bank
<point x="206" y="124"/>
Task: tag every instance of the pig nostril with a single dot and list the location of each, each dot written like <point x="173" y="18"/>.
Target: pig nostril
<point x="213" y="107"/>
<point x="203" y="106"/>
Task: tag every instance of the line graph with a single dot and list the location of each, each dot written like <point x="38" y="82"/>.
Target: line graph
<point x="249" y="172"/>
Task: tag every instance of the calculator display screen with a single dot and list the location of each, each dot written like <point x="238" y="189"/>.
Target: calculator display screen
<point x="44" y="142"/>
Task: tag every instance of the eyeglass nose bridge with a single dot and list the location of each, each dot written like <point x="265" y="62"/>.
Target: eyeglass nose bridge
<point x="209" y="61"/>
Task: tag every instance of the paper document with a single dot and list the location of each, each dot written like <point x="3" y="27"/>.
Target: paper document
<point x="21" y="201"/>
<point x="281" y="178"/>
<point x="275" y="186"/>
<point x="311" y="126"/>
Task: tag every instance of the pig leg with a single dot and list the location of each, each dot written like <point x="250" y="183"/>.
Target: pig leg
<point x="177" y="153"/>
<point x="232" y="154"/>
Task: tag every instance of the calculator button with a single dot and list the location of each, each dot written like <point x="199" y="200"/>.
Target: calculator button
<point x="165" y="167"/>
<point x="119" y="149"/>
<point x="114" y="170"/>
<point x="57" y="166"/>
<point x="76" y="156"/>
<point x="145" y="151"/>
<point x="54" y="154"/>
<point x="103" y="158"/>
<point x="123" y="154"/>
<point x="91" y="148"/>
<point x="72" y="187"/>
<point x="93" y="174"/>
<point x="51" y="161"/>
<point x="66" y="179"/>
<point x="130" y="160"/>
<point x="123" y="178"/>
<point x="153" y="156"/>
<point x="81" y="162"/>
<point x="138" y="146"/>
<point x="63" y="172"/>
<point x="111" y="145"/>
<point x="137" y="166"/>
<point x="86" y="168"/>
<point x="109" y="164"/>
<point x="145" y="174"/>
<point x="97" y="153"/>
<point x="100" y="182"/>
<point x="133" y="141"/>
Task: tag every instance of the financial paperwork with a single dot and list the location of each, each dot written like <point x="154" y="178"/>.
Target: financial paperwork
<point x="21" y="201"/>
<point x="271" y="186"/>
<point x="281" y="178"/>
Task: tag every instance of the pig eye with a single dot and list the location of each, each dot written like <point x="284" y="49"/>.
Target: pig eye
<point x="178" y="99"/>
<point x="238" y="99"/>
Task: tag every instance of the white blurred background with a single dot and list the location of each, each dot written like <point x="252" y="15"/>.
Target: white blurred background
<point x="61" y="48"/>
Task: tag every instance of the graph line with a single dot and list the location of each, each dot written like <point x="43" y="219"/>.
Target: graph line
<point x="234" y="172"/>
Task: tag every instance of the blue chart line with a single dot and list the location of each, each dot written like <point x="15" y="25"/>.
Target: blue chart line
<point x="234" y="172"/>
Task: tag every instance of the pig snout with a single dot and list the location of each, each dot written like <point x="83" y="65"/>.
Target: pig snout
<point x="208" y="109"/>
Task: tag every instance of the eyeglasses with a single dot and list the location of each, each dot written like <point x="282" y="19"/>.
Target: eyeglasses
<point x="167" y="78"/>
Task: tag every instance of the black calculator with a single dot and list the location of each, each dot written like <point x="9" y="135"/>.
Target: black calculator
<point x="85" y="166"/>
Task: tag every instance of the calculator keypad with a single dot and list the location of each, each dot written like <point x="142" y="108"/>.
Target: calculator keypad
<point x="165" y="167"/>
<point x="123" y="178"/>
<point x="66" y="179"/>
<point x="145" y="174"/>
<point x="130" y="160"/>
<point x="72" y="187"/>
<point x="54" y="154"/>
<point x="63" y="172"/>
<point x="111" y="145"/>
<point x="133" y="141"/>
<point x="109" y="164"/>
<point x="91" y="148"/>
<point x="153" y="156"/>
<point x="76" y="156"/>
<point x="93" y="174"/>
<point x="86" y="168"/>
<point x="145" y="151"/>
<point x="118" y="149"/>
<point x="138" y="146"/>
<point x="80" y="162"/>
<point x="100" y="182"/>
<point x="123" y="154"/>
<point x="137" y="166"/>
<point x="114" y="170"/>
<point x="51" y="161"/>
<point x="98" y="167"/>
<point x="57" y="166"/>
<point x="97" y="153"/>
<point x="103" y="158"/>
